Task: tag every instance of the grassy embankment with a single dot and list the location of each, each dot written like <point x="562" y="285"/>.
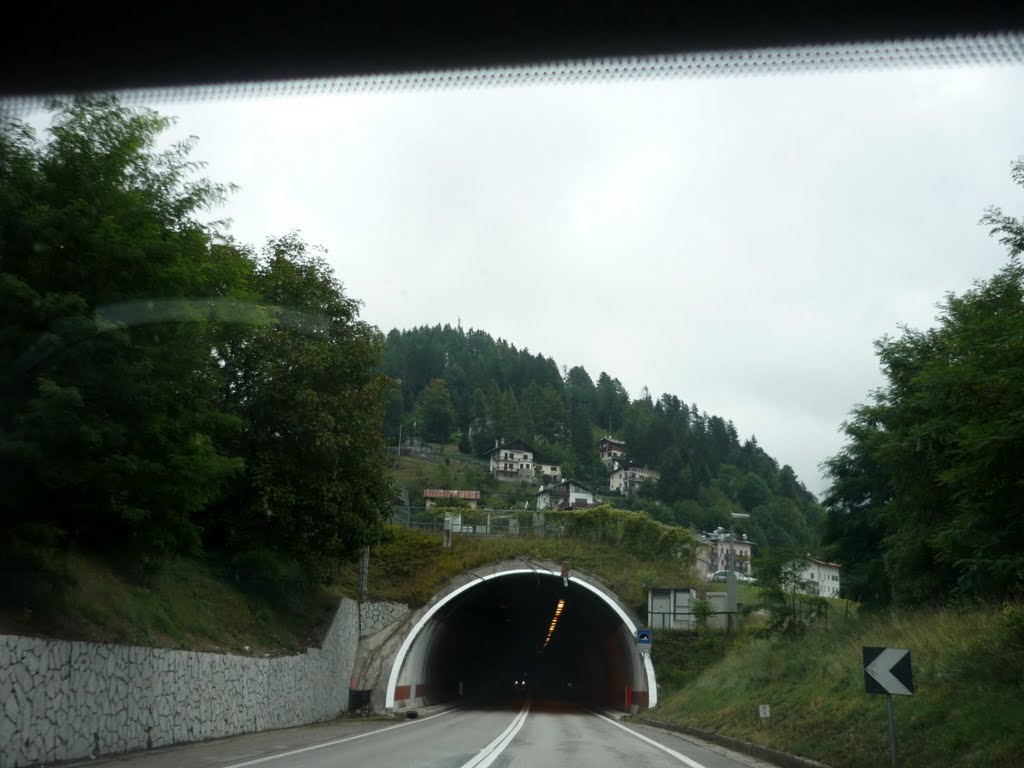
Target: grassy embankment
<point x="968" y="709"/>
<point x="192" y="604"/>
<point x="183" y="603"/>
<point x="412" y="566"/>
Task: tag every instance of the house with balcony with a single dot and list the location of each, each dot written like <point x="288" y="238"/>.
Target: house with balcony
<point x="518" y="461"/>
<point x="725" y="551"/>
<point x="567" y="494"/>
<point x="627" y="479"/>
<point x="610" y="450"/>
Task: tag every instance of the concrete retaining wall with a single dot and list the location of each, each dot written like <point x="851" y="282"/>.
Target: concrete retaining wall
<point x="375" y="616"/>
<point x="65" y="700"/>
<point x="380" y="628"/>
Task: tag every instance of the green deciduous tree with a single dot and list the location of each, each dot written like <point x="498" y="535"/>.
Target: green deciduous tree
<point x="162" y="388"/>
<point x="108" y="429"/>
<point x="930" y="475"/>
<point x="312" y="404"/>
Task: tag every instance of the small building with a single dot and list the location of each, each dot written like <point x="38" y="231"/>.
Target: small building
<point x="610" y="450"/>
<point x="517" y="460"/>
<point x="816" y="577"/>
<point x="676" y="608"/>
<point x="567" y="494"/>
<point x="546" y="471"/>
<point x="439" y="496"/>
<point x="671" y="608"/>
<point x="628" y="479"/>
<point x="728" y="552"/>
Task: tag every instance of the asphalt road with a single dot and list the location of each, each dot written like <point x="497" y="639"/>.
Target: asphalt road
<point x="534" y="736"/>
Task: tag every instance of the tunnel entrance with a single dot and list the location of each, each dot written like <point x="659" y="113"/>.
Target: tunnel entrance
<point x="523" y="632"/>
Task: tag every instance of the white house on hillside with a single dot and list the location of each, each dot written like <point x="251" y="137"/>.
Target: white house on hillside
<point x="548" y="471"/>
<point x="817" y="577"/>
<point x="628" y="479"/>
<point x="516" y="460"/>
<point x="567" y="494"/>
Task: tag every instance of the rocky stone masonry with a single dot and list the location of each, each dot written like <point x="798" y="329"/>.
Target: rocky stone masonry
<point x="64" y="700"/>
<point x="375" y="616"/>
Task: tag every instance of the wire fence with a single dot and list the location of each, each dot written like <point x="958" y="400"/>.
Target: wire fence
<point x="477" y="522"/>
<point x="436" y="456"/>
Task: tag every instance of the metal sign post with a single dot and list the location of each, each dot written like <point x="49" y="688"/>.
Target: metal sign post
<point x="892" y="730"/>
<point x="888" y="671"/>
<point x="364" y="574"/>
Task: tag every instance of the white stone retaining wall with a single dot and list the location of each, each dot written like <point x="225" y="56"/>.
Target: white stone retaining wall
<point x="64" y="700"/>
<point x="375" y="616"/>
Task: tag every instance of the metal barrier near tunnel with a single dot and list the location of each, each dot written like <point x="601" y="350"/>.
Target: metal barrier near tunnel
<point x="473" y="639"/>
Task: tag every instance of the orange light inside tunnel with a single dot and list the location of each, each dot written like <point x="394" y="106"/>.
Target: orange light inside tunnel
<point x="554" y="621"/>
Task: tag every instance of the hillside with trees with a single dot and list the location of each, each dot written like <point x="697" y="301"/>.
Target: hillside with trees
<point x="465" y="386"/>
<point x="174" y="401"/>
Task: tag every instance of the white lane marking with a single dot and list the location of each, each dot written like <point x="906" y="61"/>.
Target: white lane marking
<point x="490" y="753"/>
<point x="677" y="755"/>
<point x="362" y="735"/>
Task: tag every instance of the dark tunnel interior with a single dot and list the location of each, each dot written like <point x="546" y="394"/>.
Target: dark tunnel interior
<point x="490" y="645"/>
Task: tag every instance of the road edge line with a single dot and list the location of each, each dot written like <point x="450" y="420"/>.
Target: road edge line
<point x="749" y="748"/>
<point x="668" y="750"/>
<point x="334" y="742"/>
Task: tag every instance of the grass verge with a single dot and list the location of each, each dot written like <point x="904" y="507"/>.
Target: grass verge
<point x="186" y="603"/>
<point x="967" y="711"/>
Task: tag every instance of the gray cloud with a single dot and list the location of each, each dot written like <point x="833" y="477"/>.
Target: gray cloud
<point x="737" y="242"/>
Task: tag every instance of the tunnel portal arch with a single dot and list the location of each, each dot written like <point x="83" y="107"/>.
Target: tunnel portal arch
<point x="432" y="631"/>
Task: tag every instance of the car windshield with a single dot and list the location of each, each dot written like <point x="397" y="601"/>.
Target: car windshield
<point x="390" y="423"/>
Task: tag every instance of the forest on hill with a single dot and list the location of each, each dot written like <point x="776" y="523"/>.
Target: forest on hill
<point x="465" y="386"/>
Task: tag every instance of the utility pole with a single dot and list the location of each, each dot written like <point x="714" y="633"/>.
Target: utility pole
<point x="732" y="536"/>
<point x="730" y="580"/>
<point x="399" y="382"/>
<point x="364" y="574"/>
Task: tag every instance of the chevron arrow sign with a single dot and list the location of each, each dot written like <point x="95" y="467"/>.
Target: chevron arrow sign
<point x="887" y="670"/>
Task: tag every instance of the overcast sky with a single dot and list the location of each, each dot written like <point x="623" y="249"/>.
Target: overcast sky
<point x="736" y="242"/>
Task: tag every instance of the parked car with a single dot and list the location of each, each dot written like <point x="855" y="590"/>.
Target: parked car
<point x="722" y="576"/>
